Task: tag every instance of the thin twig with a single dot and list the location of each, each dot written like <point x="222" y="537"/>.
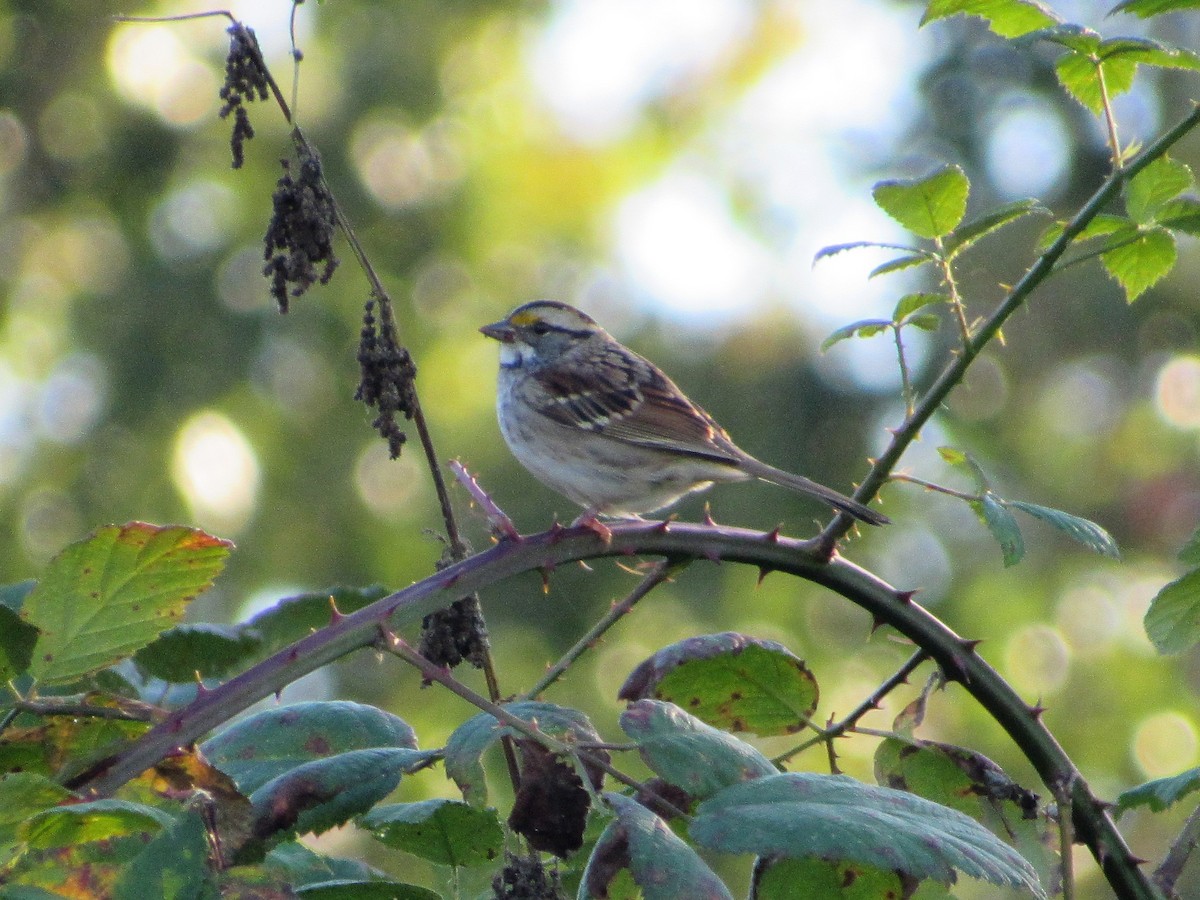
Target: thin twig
<point x="837" y="729"/>
<point x="1110" y="120"/>
<point x="431" y="672"/>
<point x="929" y="485"/>
<point x="1169" y="870"/>
<point x="662" y="571"/>
<point x="1066" y="838"/>
<point x="52" y="706"/>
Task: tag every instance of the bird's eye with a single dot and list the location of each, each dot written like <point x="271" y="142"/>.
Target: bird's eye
<point x="540" y="328"/>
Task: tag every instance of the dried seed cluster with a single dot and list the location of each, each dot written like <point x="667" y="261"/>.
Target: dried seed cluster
<point x="300" y="234"/>
<point x="387" y="375"/>
<point x="245" y="80"/>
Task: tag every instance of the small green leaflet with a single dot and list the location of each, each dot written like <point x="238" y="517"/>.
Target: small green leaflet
<point x="1078" y="529"/>
<point x="1080" y="69"/>
<point x="1190" y="554"/>
<point x="1156" y="185"/>
<point x="910" y="303"/>
<point x="1003" y="526"/>
<point x="966" y="235"/>
<point x="1139" y="264"/>
<point x="447" y="832"/>
<point x="862" y="328"/>
<point x="1173" y="619"/>
<point x="1160" y="793"/>
<point x="1007" y="18"/>
<point x="1144" y="9"/>
<point x="929" y="207"/>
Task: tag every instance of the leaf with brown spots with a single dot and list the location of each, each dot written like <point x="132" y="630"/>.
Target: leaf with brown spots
<point x="731" y="681"/>
<point x="269" y="743"/>
<point x="108" y="595"/>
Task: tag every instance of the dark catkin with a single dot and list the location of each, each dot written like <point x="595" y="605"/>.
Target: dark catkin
<point x="245" y="80"/>
<point x="300" y="234"/>
<point x="387" y="375"/>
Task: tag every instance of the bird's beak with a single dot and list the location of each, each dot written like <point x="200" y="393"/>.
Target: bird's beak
<point x="500" y="331"/>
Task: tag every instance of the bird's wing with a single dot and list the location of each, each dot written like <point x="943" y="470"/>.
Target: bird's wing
<point x="633" y="402"/>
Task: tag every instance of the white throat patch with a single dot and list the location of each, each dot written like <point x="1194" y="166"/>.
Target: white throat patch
<point x="513" y="356"/>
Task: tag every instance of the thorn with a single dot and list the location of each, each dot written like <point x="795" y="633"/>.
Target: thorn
<point x="708" y="519"/>
<point x="583" y="565"/>
<point x="388" y="637"/>
<point x="712" y="556"/>
<point x="1036" y="711"/>
<point x="969" y="644"/>
<point x="546" y="570"/>
<point x="773" y="534"/>
<point x="876" y="623"/>
<point x="905" y="597"/>
<point x="763" y="572"/>
<point x="662" y="527"/>
<point x="1137" y="860"/>
<point x="335" y="614"/>
<point x="200" y="688"/>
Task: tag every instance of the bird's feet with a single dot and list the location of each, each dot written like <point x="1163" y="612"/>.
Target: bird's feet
<point x="589" y="520"/>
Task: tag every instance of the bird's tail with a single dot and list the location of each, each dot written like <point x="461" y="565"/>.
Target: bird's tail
<point x="804" y="485"/>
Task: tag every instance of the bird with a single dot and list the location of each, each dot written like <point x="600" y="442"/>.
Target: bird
<point x="606" y="428"/>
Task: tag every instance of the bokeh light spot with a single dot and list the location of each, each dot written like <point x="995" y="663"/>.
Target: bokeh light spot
<point x="1028" y="149"/>
<point x="1164" y="744"/>
<point x="193" y="219"/>
<point x="679" y="243"/>
<point x="70" y="127"/>
<point x="1177" y="392"/>
<point x="388" y="487"/>
<point x="1036" y="660"/>
<point x="152" y="66"/>
<point x="216" y="470"/>
<point x="72" y="398"/>
<point x="402" y="167"/>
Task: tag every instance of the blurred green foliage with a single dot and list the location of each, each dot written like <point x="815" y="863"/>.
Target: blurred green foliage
<point x="131" y="302"/>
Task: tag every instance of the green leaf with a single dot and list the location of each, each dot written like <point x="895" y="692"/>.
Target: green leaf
<point x="1182" y="214"/>
<point x="1144" y="9"/>
<point x="929" y="207"/>
<point x="1160" y="793"/>
<point x="263" y="746"/>
<point x="662" y="864"/>
<point x="862" y="328"/>
<point x="301" y="866"/>
<point x="1007" y="18"/>
<point x="1078" y="529"/>
<point x="23" y="795"/>
<point x="1155" y="186"/>
<point x="1173" y="619"/>
<point x="296" y="617"/>
<point x="1080" y="77"/>
<point x="1079" y="69"/>
<point x="926" y="322"/>
<point x="910" y="303"/>
<point x="465" y="748"/>
<point x="731" y="681"/>
<point x="901" y="263"/>
<point x="325" y="793"/>
<point x="17" y="640"/>
<point x="1140" y="263"/>
<point x="1190" y="554"/>
<point x="834" y="249"/>
<point x="688" y="753"/>
<point x="110" y="594"/>
<point x="781" y="878"/>
<point x="834" y="817"/>
<point x="348" y="889"/>
<point x="1101" y="226"/>
<point x="966" y="235"/>
<point x="97" y="820"/>
<point x="212" y="651"/>
<point x="1149" y="53"/>
<point x="1003" y="526"/>
<point x="447" y="832"/>
<point x="174" y="864"/>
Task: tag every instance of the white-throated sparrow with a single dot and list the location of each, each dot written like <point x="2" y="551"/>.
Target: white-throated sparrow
<point x="605" y="427"/>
